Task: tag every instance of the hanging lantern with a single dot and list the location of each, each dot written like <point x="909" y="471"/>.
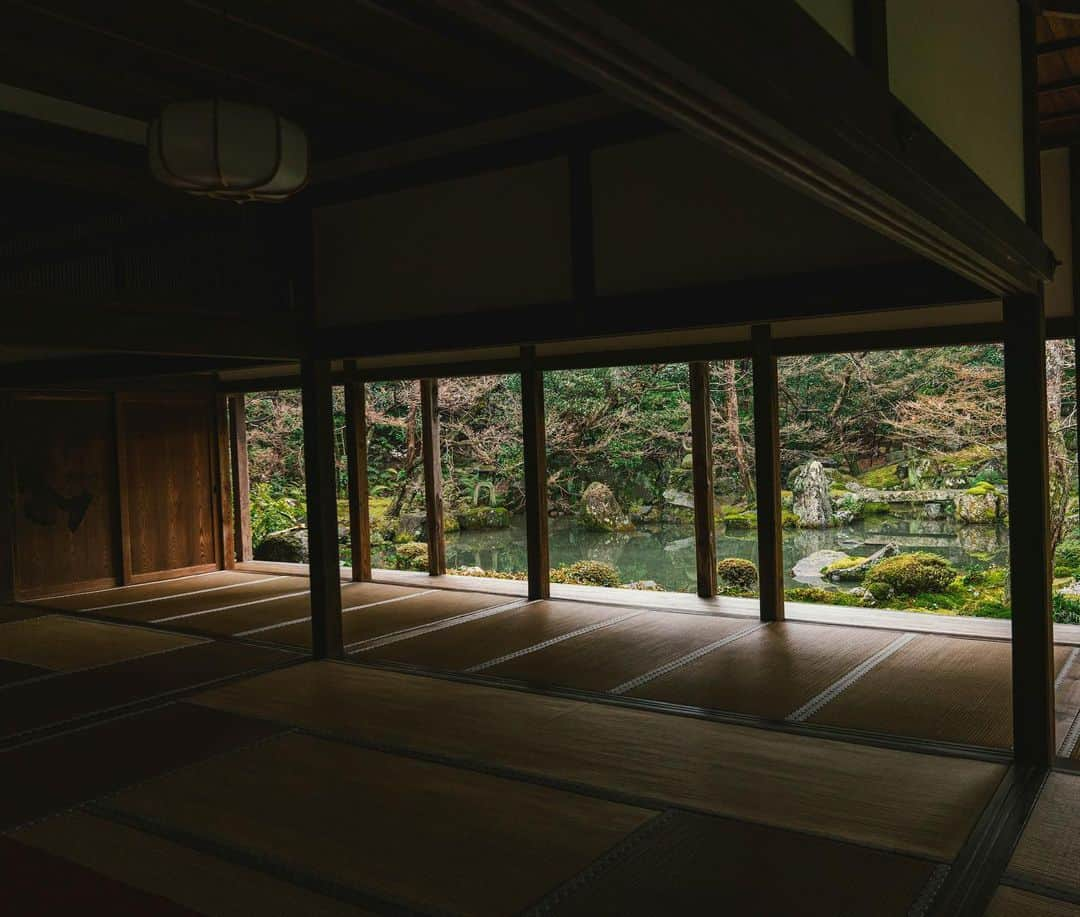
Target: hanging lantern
<point x="228" y="150"/>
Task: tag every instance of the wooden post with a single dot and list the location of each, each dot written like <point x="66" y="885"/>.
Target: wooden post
<point x="241" y="480"/>
<point x="701" y="450"/>
<point x="123" y="494"/>
<point x="1074" y="213"/>
<point x="767" y="468"/>
<point x="433" y="496"/>
<point x="356" y="460"/>
<point x="1030" y="559"/>
<point x="223" y="485"/>
<point x="7" y="499"/>
<point x="536" y="493"/>
<point x="320" y="477"/>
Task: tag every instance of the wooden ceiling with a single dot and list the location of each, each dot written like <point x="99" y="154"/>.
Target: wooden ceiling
<point x="1058" y="37"/>
<point x="355" y="74"/>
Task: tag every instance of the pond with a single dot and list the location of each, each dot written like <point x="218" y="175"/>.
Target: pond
<point x="666" y="553"/>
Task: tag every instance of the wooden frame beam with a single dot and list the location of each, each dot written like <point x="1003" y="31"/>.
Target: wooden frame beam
<point x="767" y="477"/>
<point x="433" y="487"/>
<point x="356" y="458"/>
<point x="223" y="484"/>
<point x="7" y="501"/>
<point x="322" y="524"/>
<point x="98" y="369"/>
<point x="1030" y="558"/>
<point x="702" y="456"/>
<point x="536" y="482"/>
<point x="241" y="477"/>
<point x="872" y="37"/>
<point x="836" y="138"/>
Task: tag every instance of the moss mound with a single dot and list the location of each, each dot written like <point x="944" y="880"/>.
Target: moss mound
<point x="586" y="573"/>
<point x="914" y="574"/>
<point x="845" y="563"/>
<point x="736" y="573"/>
<point x="411" y="556"/>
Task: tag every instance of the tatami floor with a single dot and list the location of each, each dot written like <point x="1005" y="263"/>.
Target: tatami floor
<point x="171" y="749"/>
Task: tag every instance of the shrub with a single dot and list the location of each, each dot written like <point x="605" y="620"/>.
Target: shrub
<point x="1067" y="558"/>
<point x="819" y="596"/>
<point x="272" y="513"/>
<point x="743" y="520"/>
<point x="880" y="591"/>
<point x="911" y="574"/>
<point x="737" y="573"/>
<point x="411" y="556"/>
<point x="586" y="573"/>
<point x="1066" y="609"/>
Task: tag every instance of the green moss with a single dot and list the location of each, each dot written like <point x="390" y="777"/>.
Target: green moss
<point x="736" y="573"/>
<point x="789" y="520"/>
<point x="880" y="591"/>
<point x="915" y="573"/>
<point x="472" y="518"/>
<point x="1067" y="558"/>
<point x="837" y="568"/>
<point x="586" y="573"/>
<point x="741" y="520"/>
<point x="982" y="489"/>
<point x="411" y="556"/>
<point x="881" y="478"/>
<point x="818" y="596"/>
<point x="875" y="508"/>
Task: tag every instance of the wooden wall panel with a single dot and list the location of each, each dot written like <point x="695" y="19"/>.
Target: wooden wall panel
<point x="65" y="493"/>
<point x="168" y="446"/>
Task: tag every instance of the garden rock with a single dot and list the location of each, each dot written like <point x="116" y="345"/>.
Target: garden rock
<point x="601" y="511"/>
<point x="287" y="546"/>
<point x="810" y="496"/>
<point x="808" y="570"/>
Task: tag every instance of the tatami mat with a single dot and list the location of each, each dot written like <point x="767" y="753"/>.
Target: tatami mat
<point x="770" y="672"/>
<point x="695" y="864"/>
<point x="1049" y="849"/>
<point x="386" y="618"/>
<point x="76" y="766"/>
<point x="476" y="642"/>
<point x="191" y="607"/>
<point x="890" y="799"/>
<point x="1012" y="902"/>
<point x="409" y="831"/>
<point x="11" y="672"/>
<point x="88" y="601"/>
<point x="80" y="694"/>
<point x="19" y="613"/>
<point x="606" y="658"/>
<point x="261" y="621"/>
<point x="945" y="689"/>
<point x="37" y="883"/>
<point x="205" y="884"/>
<point x="64" y="644"/>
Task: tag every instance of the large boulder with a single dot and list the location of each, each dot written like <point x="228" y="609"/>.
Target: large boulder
<point x="810" y="496"/>
<point x="980" y="505"/>
<point x="472" y="518"/>
<point x="601" y="511"/>
<point x="808" y="569"/>
<point x="854" y="569"/>
<point x="412" y="526"/>
<point x="286" y="546"/>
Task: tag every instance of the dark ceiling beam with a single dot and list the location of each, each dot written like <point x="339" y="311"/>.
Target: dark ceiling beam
<point x="841" y="138"/>
<point x="112" y="368"/>
<point x="45" y="323"/>
<point x="1071" y="82"/>
<point x="1056" y="117"/>
<point x="1064" y="9"/>
<point x="848" y="291"/>
<point x="1058" y="44"/>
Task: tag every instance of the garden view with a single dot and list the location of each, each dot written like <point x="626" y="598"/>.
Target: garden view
<point x="893" y="462"/>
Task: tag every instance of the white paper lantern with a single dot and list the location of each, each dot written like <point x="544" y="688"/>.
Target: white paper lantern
<point x="228" y="150"/>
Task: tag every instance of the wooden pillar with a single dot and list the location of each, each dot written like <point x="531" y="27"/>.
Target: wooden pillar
<point x="123" y="494"/>
<point x="1030" y="560"/>
<point x="534" y="438"/>
<point x="701" y="451"/>
<point x="357" y="463"/>
<point x="223" y="485"/>
<point x="1074" y="213"/>
<point x="767" y="468"/>
<point x="241" y="480"/>
<point x="320" y="477"/>
<point x="7" y="499"/>
<point x="433" y="493"/>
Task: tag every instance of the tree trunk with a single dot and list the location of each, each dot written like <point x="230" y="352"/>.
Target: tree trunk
<point x="1059" y="463"/>
<point x="731" y="424"/>
<point x="412" y="455"/>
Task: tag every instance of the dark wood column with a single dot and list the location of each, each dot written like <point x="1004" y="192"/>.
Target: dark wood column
<point x="224" y="485"/>
<point x="534" y="436"/>
<point x="767" y="469"/>
<point x="701" y="450"/>
<point x="357" y="462"/>
<point x="125" y="570"/>
<point x="320" y="477"/>
<point x="1029" y="536"/>
<point x="241" y="479"/>
<point x="433" y="493"/>
<point x="1074" y="212"/>
<point x="7" y="500"/>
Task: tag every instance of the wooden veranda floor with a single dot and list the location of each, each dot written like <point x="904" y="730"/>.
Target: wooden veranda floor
<point x="175" y="751"/>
